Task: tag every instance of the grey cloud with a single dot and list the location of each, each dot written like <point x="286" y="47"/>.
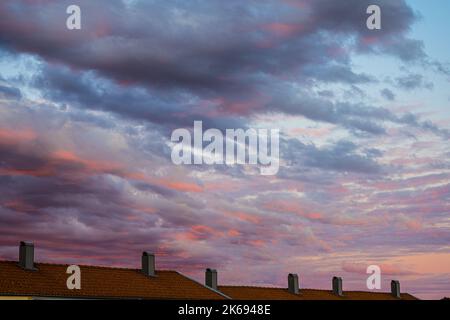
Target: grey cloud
<point x="413" y="82"/>
<point x="408" y="50"/>
<point x="341" y="157"/>
<point x="167" y="109"/>
<point x="10" y="93"/>
<point x="388" y="94"/>
<point x="165" y="68"/>
<point x="336" y="73"/>
<point x="413" y="120"/>
<point x="172" y="45"/>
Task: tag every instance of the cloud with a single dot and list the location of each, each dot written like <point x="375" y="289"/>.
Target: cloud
<point x="137" y="45"/>
<point x="341" y="157"/>
<point x="149" y="30"/>
<point x="388" y="94"/>
<point x="386" y="269"/>
<point x="166" y="109"/>
<point x="85" y="116"/>
<point x="126" y="63"/>
<point x="336" y="73"/>
<point x="412" y="82"/>
<point x="10" y="93"/>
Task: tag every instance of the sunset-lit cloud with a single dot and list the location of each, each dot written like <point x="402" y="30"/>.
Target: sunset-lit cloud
<point x="364" y="177"/>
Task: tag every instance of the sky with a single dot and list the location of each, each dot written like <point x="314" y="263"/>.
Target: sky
<point x="86" y="118"/>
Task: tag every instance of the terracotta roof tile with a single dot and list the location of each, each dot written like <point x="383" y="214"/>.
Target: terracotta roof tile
<point x="99" y="282"/>
<point x="122" y="283"/>
<point x="268" y="293"/>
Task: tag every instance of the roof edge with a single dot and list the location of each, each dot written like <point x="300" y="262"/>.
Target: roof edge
<point x="209" y="288"/>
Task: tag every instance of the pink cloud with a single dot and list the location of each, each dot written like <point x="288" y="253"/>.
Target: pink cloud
<point x="243" y="216"/>
<point x="8" y="136"/>
<point x="311" y="132"/>
<point x="386" y="269"/>
<point x="284" y="29"/>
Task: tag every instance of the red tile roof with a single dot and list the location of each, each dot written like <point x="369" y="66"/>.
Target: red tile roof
<point x="268" y="293"/>
<point x="121" y="283"/>
<point x="99" y="282"/>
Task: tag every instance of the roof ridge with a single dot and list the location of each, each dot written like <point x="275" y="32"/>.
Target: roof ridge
<point x="203" y="285"/>
<point x="86" y="265"/>
<point x="285" y="288"/>
<point x="251" y="286"/>
<point x="309" y="289"/>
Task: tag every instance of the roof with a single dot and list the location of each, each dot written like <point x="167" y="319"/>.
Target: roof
<point x="269" y="293"/>
<point x="99" y="282"/>
<point x="49" y="280"/>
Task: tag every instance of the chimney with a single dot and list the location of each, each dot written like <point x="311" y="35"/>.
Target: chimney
<point x="395" y="288"/>
<point x="26" y="255"/>
<point x="211" y="278"/>
<point x="148" y="264"/>
<point x="293" y="283"/>
<point x="337" y="286"/>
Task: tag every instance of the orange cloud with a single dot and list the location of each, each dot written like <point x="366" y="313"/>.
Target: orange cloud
<point x="233" y="233"/>
<point x="256" y="243"/>
<point x="243" y="216"/>
<point x="199" y="232"/>
<point x="183" y="186"/>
